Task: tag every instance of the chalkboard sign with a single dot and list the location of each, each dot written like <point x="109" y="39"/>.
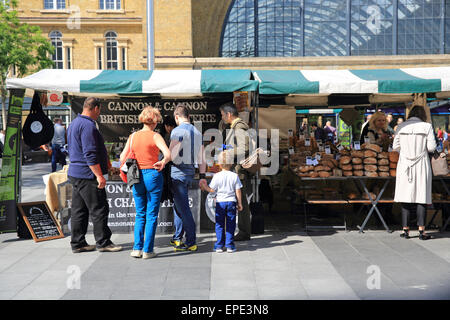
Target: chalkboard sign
<point x="40" y="221"/>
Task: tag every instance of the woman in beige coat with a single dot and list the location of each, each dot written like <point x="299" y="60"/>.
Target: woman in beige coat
<point x="414" y="139"/>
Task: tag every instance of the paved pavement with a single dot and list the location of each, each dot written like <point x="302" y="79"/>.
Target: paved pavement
<point x="285" y="264"/>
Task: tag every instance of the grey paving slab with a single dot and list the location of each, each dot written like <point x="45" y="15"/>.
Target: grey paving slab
<point x="352" y="267"/>
<point x="392" y="254"/>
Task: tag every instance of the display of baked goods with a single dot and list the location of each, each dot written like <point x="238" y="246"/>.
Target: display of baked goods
<point x="341" y="161"/>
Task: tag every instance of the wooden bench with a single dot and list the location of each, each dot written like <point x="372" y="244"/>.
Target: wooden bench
<point x="319" y="202"/>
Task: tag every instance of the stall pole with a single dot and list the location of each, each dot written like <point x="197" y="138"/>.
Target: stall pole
<point x="256" y="198"/>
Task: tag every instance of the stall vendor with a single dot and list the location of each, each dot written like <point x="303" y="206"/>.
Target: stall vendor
<point x="378" y="133"/>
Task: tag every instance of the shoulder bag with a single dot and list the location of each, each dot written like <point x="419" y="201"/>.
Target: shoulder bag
<point x="439" y="164"/>
<point x="129" y="170"/>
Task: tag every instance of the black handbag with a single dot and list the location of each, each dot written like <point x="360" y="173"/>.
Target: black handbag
<point x="38" y="129"/>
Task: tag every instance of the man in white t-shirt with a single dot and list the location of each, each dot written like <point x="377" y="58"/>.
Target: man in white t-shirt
<point x="227" y="186"/>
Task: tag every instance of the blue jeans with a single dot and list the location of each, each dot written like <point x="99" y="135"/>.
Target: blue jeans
<point x="57" y="156"/>
<point x="225" y="224"/>
<point x="182" y="218"/>
<point x="147" y="196"/>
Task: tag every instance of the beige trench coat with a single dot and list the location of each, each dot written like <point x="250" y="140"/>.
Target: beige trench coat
<point x="414" y="139"/>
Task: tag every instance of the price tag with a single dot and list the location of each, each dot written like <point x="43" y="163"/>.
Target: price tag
<point x="340" y="147"/>
<point x="327" y="150"/>
<point x="338" y="156"/>
<point x="291" y="150"/>
<point x="301" y="137"/>
<point x="314" y="161"/>
<point x="307" y="142"/>
<point x="318" y="157"/>
<point x="390" y="149"/>
<point x="366" y="140"/>
<point x="290" y="133"/>
<point x="357" y="145"/>
<point x="309" y="161"/>
<point x="321" y="149"/>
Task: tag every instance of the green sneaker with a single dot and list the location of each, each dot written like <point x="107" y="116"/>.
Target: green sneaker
<point x="184" y="247"/>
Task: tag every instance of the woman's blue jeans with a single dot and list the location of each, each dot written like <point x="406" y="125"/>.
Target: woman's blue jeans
<point x="147" y="196"/>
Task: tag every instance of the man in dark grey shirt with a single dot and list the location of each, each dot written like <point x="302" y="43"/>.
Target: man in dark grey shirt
<point x="58" y="141"/>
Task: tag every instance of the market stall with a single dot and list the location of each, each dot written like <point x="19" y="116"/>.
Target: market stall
<point x="123" y="95"/>
<point x="326" y="172"/>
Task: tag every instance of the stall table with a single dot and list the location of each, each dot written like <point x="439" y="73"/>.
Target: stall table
<point x="361" y="184"/>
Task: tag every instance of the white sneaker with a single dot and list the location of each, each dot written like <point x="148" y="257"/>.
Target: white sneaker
<point x="148" y="255"/>
<point x="229" y="250"/>
<point x="219" y="250"/>
<point x="136" y="253"/>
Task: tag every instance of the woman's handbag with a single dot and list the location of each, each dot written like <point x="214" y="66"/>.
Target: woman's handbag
<point x="129" y="171"/>
<point x="439" y="164"/>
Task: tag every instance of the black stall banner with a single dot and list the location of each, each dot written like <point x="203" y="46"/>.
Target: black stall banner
<point x="120" y="117"/>
<point x="122" y="209"/>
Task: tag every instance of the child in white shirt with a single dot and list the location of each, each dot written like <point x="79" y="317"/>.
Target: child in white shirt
<point x="227" y="186"/>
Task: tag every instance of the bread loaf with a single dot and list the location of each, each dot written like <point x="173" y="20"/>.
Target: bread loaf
<point x="347" y="173"/>
<point x="328" y="163"/>
<point x="393" y="172"/>
<point x="383" y="168"/>
<point x="370" y="167"/>
<point x="313" y="174"/>
<point x="383" y="174"/>
<point x="322" y="168"/>
<point x="358" y="173"/>
<point x="334" y="161"/>
<point x="357" y="154"/>
<point x="324" y="174"/>
<point x="393" y="156"/>
<point x="383" y="155"/>
<point x="392" y="165"/>
<point x="383" y="162"/>
<point x="327" y="156"/>
<point x="371" y="146"/>
<point x="371" y="174"/>
<point x="370" y="154"/>
<point x="358" y="167"/>
<point x="347" y="167"/>
<point x="357" y="160"/>
<point x="370" y="161"/>
<point x="345" y="160"/>
<point x="304" y="169"/>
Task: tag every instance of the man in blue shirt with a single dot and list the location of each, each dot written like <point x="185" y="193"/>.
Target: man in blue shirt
<point x="187" y="151"/>
<point x="58" y="141"/>
<point x="88" y="164"/>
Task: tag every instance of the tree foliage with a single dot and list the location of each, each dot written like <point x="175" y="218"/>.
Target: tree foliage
<point x="21" y="46"/>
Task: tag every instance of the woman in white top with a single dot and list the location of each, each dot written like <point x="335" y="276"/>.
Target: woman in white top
<point x="414" y="139"/>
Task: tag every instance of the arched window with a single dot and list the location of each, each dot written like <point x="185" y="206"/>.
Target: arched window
<point x="111" y="51"/>
<point x="57" y="57"/>
<point x="335" y="28"/>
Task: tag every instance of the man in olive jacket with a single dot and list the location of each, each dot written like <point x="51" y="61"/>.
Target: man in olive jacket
<point x="237" y="137"/>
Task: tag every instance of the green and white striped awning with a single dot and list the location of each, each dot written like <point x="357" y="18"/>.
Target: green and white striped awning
<point x="137" y="82"/>
<point x="407" y="80"/>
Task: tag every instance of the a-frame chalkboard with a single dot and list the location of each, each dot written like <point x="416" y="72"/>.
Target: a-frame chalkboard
<point x="40" y="221"/>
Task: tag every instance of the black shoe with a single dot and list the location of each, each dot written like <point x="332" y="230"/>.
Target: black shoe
<point x="405" y="234"/>
<point x="240" y="237"/>
<point x="424" y="236"/>
<point x="86" y="248"/>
